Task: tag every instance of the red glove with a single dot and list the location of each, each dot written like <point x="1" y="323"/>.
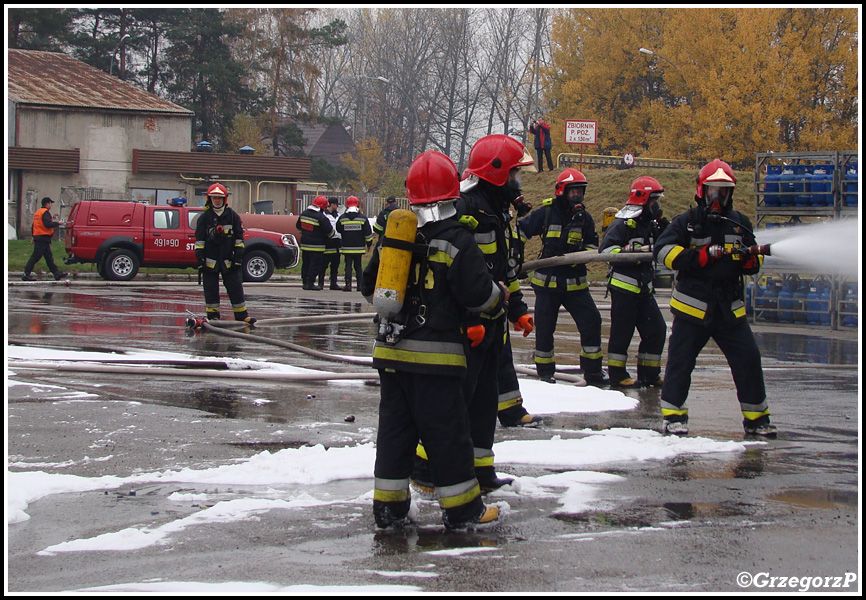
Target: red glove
<point x="709" y="254"/>
<point x="750" y="263"/>
<point x="475" y="335"/>
<point x="525" y="324"/>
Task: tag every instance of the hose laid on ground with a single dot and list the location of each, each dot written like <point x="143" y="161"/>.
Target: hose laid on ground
<point x="573" y="379"/>
<point x="207" y="325"/>
<point x="288" y="321"/>
<point x="222" y="330"/>
<point x="262" y="375"/>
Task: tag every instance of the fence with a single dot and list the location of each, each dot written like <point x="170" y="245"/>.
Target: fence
<point x="570" y="160"/>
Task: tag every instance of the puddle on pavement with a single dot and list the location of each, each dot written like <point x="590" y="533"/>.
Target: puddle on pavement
<point x="653" y="515"/>
<point x="423" y="539"/>
<point x="808" y="348"/>
<point x="816" y="498"/>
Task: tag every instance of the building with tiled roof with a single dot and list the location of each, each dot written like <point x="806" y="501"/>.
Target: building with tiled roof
<point x="76" y="132"/>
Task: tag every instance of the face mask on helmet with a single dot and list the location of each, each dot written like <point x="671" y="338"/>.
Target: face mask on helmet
<point x="717" y="200"/>
<point x="652" y="209"/>
<point x="574" y="194"/>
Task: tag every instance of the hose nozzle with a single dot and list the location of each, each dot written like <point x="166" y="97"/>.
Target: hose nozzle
<point x="762" y="250"/>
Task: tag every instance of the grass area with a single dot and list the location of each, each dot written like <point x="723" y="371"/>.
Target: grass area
<point x="607" y="187"/>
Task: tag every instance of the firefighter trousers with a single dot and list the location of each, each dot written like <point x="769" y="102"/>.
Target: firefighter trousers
<point x="481" y="390"/>
<point x="510" y="407"/>
<point x="627" y="312"/>
<point x="330" y="261"/>
<point x="585" y="313"/>
<point x="353" y="261"/>
<point x="737" y="343"/>
<point x="429" y="408"/>
<point x="313" y="262"/>
<point x="233" y="281"/>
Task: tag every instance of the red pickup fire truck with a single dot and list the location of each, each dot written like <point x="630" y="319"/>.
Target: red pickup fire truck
<point x="120" y="237"/>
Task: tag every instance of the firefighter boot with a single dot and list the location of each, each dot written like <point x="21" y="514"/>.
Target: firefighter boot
<point x="391" y="514"/>
<point x="676" y="427"/>
<point x="421" y="480"/>
<point x="760" y="427"/>
<point x="516" y="416"/>
<point x="489" y="481"/>
<point x="489" y="515"/>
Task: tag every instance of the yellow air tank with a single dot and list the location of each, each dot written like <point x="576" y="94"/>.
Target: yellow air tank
<point x="607" y="217"/>
<point x="394" y="264"/>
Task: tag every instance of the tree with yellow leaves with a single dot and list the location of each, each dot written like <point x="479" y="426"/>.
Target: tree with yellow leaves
<point x="726" y="82"/>
<point x="368" y="163"/>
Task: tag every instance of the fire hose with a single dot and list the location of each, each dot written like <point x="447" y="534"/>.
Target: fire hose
<point x="223" y="328"/>
<point x="590" y="256"/>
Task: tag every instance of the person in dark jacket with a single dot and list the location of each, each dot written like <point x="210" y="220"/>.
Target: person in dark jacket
<point x="708" y="247"/>
<point x="332" y="247"/>
<point x="543" y="143"/>
<point x="632" y="297"/>
<point x="420" y="353"/>
<point x="219" y="249"/>
<point x="43" y="229"/>
<point x="382" y="217"/>
<point x="565" y="226"/>
<point x="316" y="230"/>
<point x="356" y="239"/>
<point x="492" y="187"/>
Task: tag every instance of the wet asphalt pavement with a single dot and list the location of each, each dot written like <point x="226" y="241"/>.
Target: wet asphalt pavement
<point x="696" y="523"/>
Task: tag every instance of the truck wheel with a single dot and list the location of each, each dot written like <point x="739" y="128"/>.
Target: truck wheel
<point x="258" y="266"/>
<point x="120" y="265"/>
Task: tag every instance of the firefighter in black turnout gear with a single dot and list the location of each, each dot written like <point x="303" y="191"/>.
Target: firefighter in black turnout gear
<point x="565" y="226"/>
<point x="356" y="238"/>
<point x="492" y="184"/>
<point x="705" y="246"/>
<point x="316" y="230"/>
<point x="219" y="250"/>
<point x="632" y="297"/>
<point x="420" y="349"/>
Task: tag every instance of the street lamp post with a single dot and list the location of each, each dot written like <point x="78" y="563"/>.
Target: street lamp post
<point x="689" y="95"/>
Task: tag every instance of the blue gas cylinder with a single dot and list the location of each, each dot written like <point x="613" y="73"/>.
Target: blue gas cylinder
<point x="771" y="186"/>
<point x="813" y="314"/>
<point x="804" y="185"/>
<point x="850" y="306"/>
<point x="850" y="185"/>
<point x="787" y="186"/>
<point x="770" y="301"/>
<point x="800" y="302"/>
<point x="824" y="305"/>
<point x="786" y="301"/>
<point x="822" y="185"/>
<point x="750" y="290"/>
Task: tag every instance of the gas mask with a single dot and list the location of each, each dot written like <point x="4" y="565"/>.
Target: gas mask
<point x="717" y="201"/>
<point x="652" y="210"/>
<point x="514" y="194"/>
<point x="574" y="197"/>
